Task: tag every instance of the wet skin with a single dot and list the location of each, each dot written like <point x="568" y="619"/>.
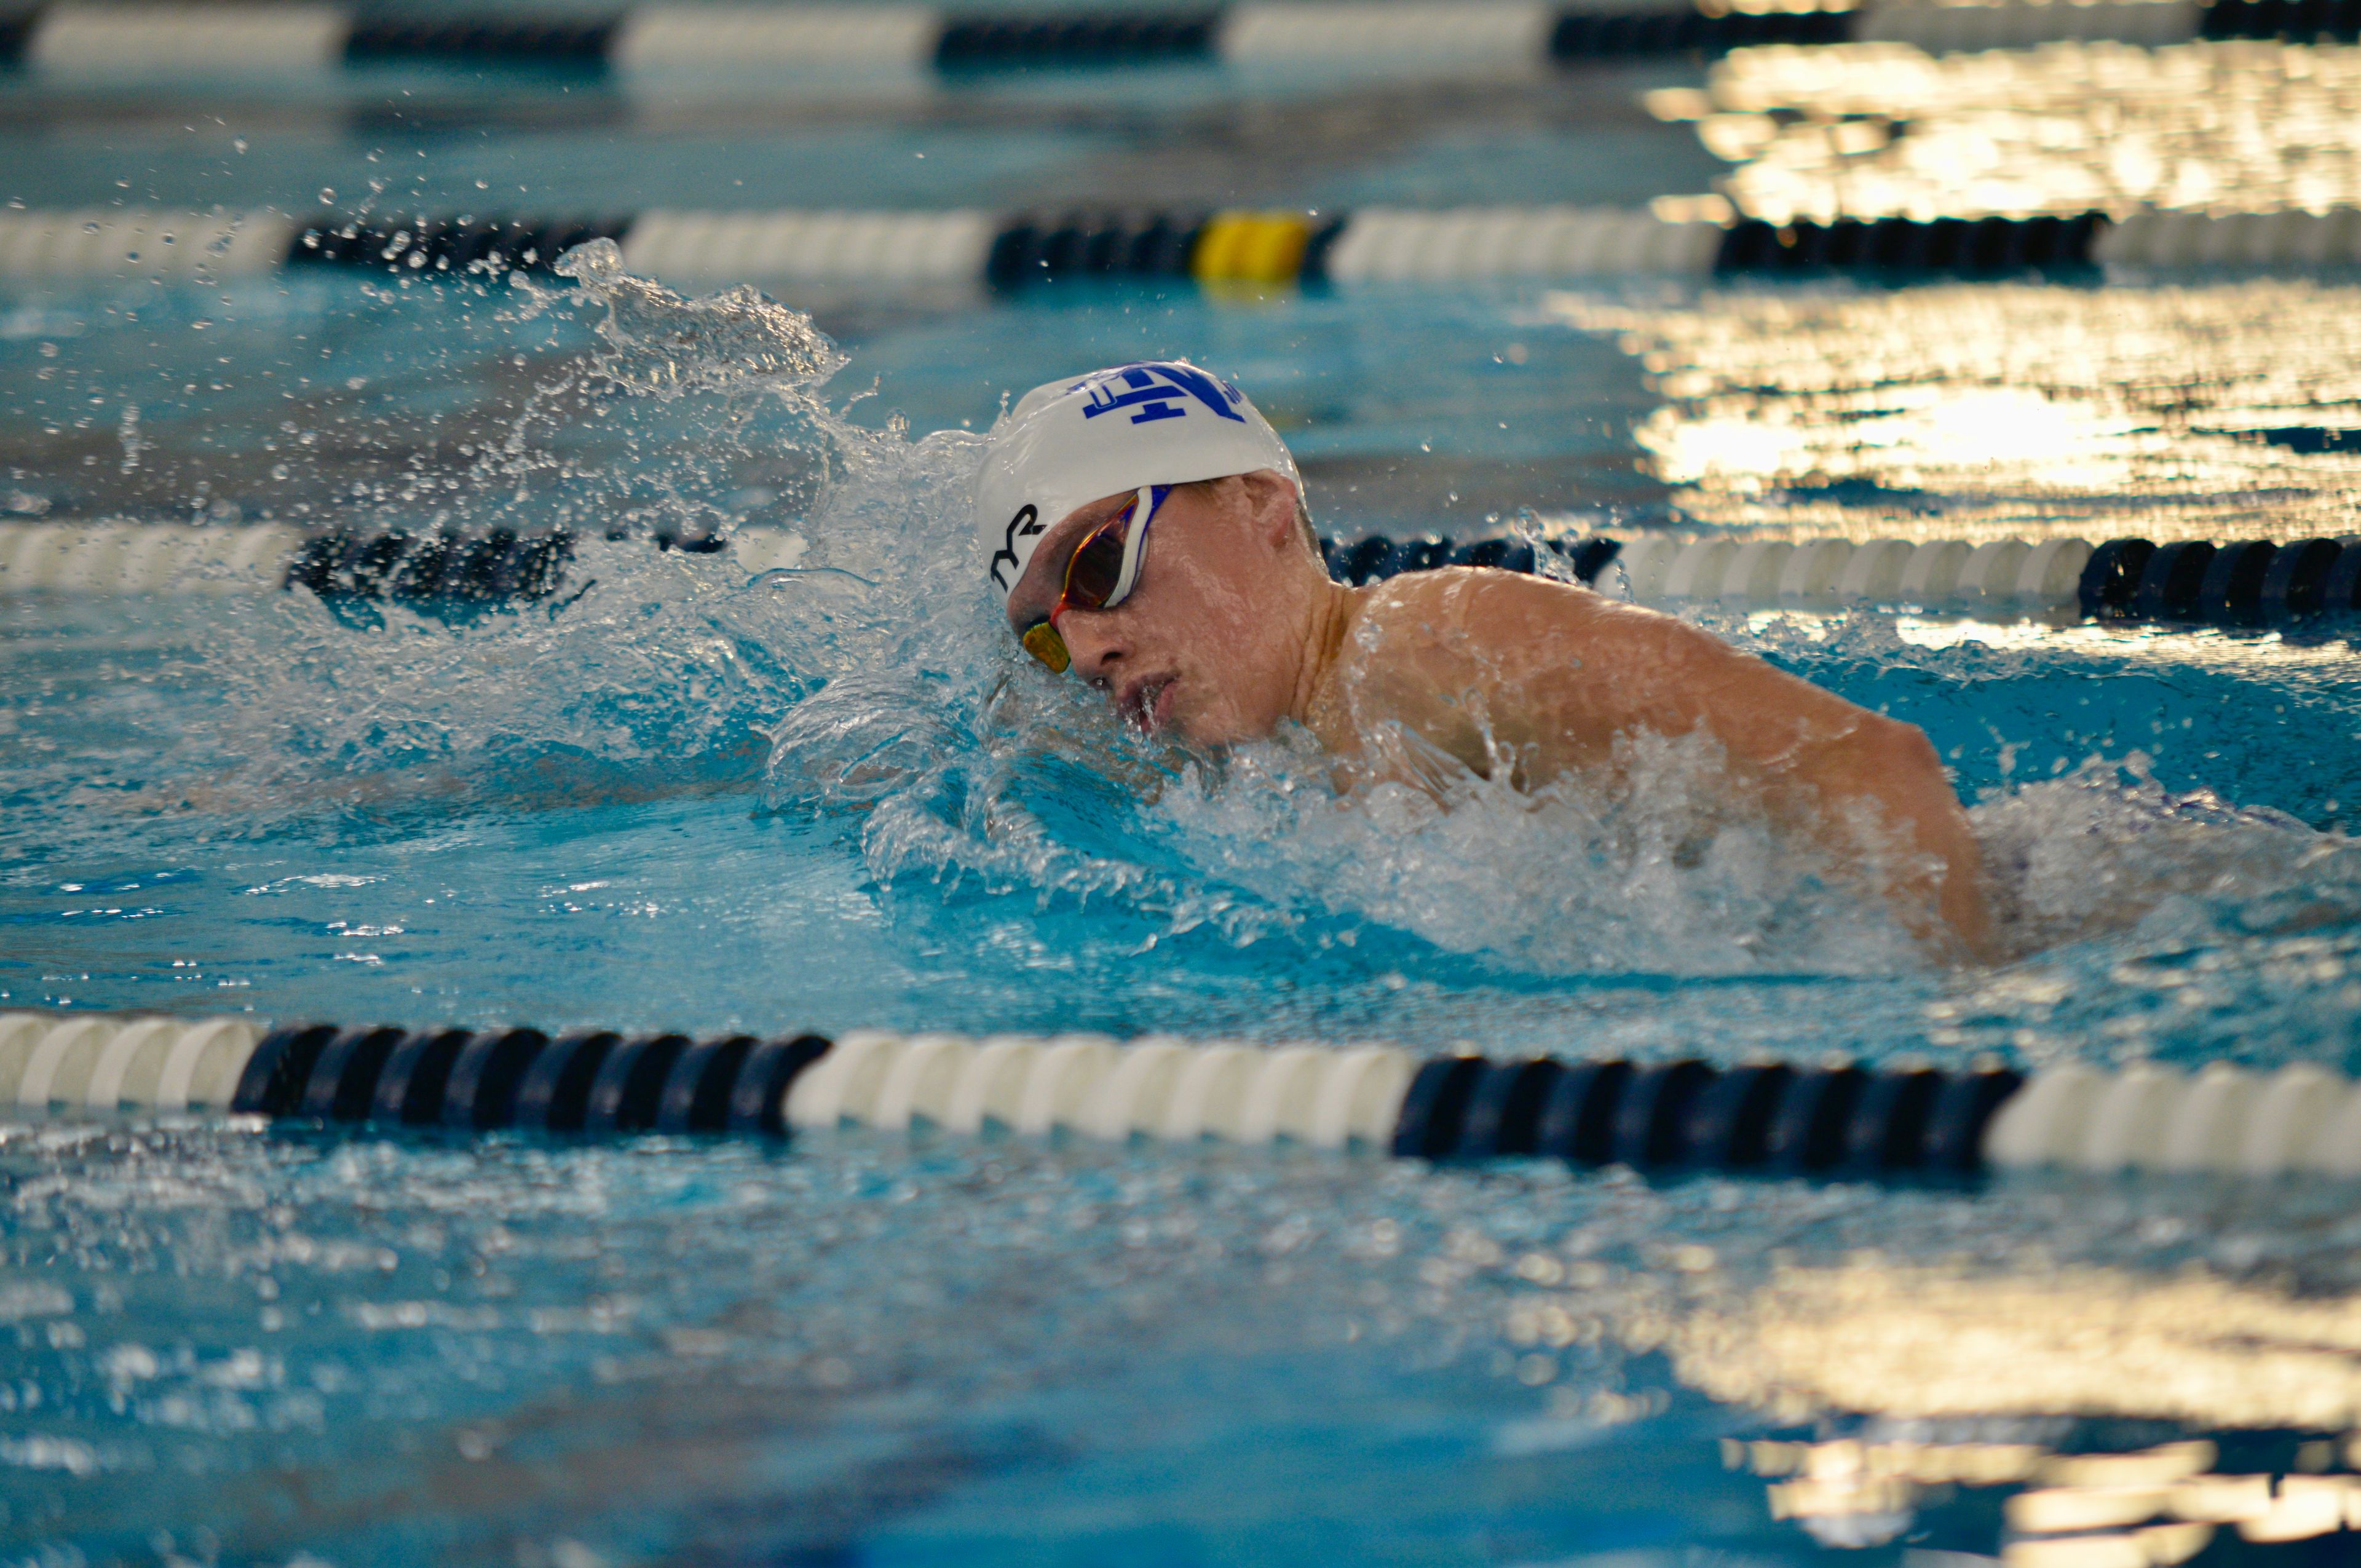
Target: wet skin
<point x="1234" y="627"/>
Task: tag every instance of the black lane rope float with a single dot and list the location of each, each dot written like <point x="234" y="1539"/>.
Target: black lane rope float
<point x="2243" y="583"/>
<point x="1832" y="1119"/>
<point x="75" y="41"/>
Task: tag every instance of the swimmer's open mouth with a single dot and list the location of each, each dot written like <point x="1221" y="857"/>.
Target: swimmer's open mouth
<point x="1142" y="703"/>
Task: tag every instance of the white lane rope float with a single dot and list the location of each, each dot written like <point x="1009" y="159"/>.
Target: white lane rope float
<point x="1902" y="1121"/>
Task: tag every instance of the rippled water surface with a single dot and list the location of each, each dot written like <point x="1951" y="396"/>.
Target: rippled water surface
<point x="833" y="796"/>
<point x="1878" y="130"/>
<point x="232" y="1346"/>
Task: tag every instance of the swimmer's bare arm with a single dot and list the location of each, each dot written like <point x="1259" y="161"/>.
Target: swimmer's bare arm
<point x="1559" y="673"/>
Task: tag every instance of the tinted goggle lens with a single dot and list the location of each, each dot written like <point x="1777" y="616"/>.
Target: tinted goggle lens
<point x="1097" y="564"/>
<point x="1041" y="640"/>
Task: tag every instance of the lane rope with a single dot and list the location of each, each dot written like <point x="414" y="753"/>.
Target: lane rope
<point x="971" y="250"/>
<point x="1833" y="1119"/>
<point x="102" y="39"/>
<point x="2243" y="583"/>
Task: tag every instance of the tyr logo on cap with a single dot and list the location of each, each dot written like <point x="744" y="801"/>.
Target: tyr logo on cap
<point x="1159" y="392"/>
<point x="1024" y="525"/>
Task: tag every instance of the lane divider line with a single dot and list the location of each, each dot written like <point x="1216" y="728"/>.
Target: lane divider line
<point x="2249" y="583"/>
<point x="111" y="39"/>
<point x="898" y="252"/>
<point x="2243" y="583"/>
<point x="1906" y="1120"/>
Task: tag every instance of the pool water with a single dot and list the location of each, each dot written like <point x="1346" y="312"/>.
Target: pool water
<point x="676" y="795"/>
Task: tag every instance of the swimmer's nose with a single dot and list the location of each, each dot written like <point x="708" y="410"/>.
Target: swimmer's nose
<point x="1094" y="646"/>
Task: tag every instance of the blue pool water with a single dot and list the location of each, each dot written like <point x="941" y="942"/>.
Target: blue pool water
<point x="835" y="797"/>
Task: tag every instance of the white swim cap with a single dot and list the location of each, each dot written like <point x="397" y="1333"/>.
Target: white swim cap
<point x="1069" y="443"/>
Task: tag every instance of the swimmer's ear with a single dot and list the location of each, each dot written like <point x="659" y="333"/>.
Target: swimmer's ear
<point x="1270" y="502"/>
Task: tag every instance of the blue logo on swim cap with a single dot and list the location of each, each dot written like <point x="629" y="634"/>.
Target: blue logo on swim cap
<point x="1159" y="392"/>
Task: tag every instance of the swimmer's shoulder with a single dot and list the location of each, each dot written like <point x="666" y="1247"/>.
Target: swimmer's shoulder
<point x="1429" y="639"/>
<point x="1484" y="611"/>
<point x="1462" y="657"/>
<point x="1435" y="638"/>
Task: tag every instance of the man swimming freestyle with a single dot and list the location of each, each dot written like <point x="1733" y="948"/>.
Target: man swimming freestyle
<point x="1146" y="528"/>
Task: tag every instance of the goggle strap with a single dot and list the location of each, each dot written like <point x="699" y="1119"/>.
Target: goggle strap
<point x="1144" y="505"/>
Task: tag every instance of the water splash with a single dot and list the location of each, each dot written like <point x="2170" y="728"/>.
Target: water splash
<point x="656" y="343"/>
<point x="657" y="670"/>
<point x="2109" y="848"/>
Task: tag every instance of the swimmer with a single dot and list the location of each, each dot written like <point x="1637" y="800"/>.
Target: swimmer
<point x="1146" y="528"/>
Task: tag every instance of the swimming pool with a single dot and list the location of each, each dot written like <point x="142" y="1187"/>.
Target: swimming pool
<point x="678" y="795"/>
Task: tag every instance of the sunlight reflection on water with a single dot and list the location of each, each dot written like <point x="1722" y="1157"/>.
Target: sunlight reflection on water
<point x="1882" y="129"/>
<point x="1978" y="411"/>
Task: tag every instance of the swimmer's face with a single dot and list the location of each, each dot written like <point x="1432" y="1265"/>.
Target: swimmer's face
<point x="1206" y="647"/>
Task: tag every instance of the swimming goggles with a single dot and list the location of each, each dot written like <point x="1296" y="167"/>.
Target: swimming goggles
<point x="1100" y="575"/>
